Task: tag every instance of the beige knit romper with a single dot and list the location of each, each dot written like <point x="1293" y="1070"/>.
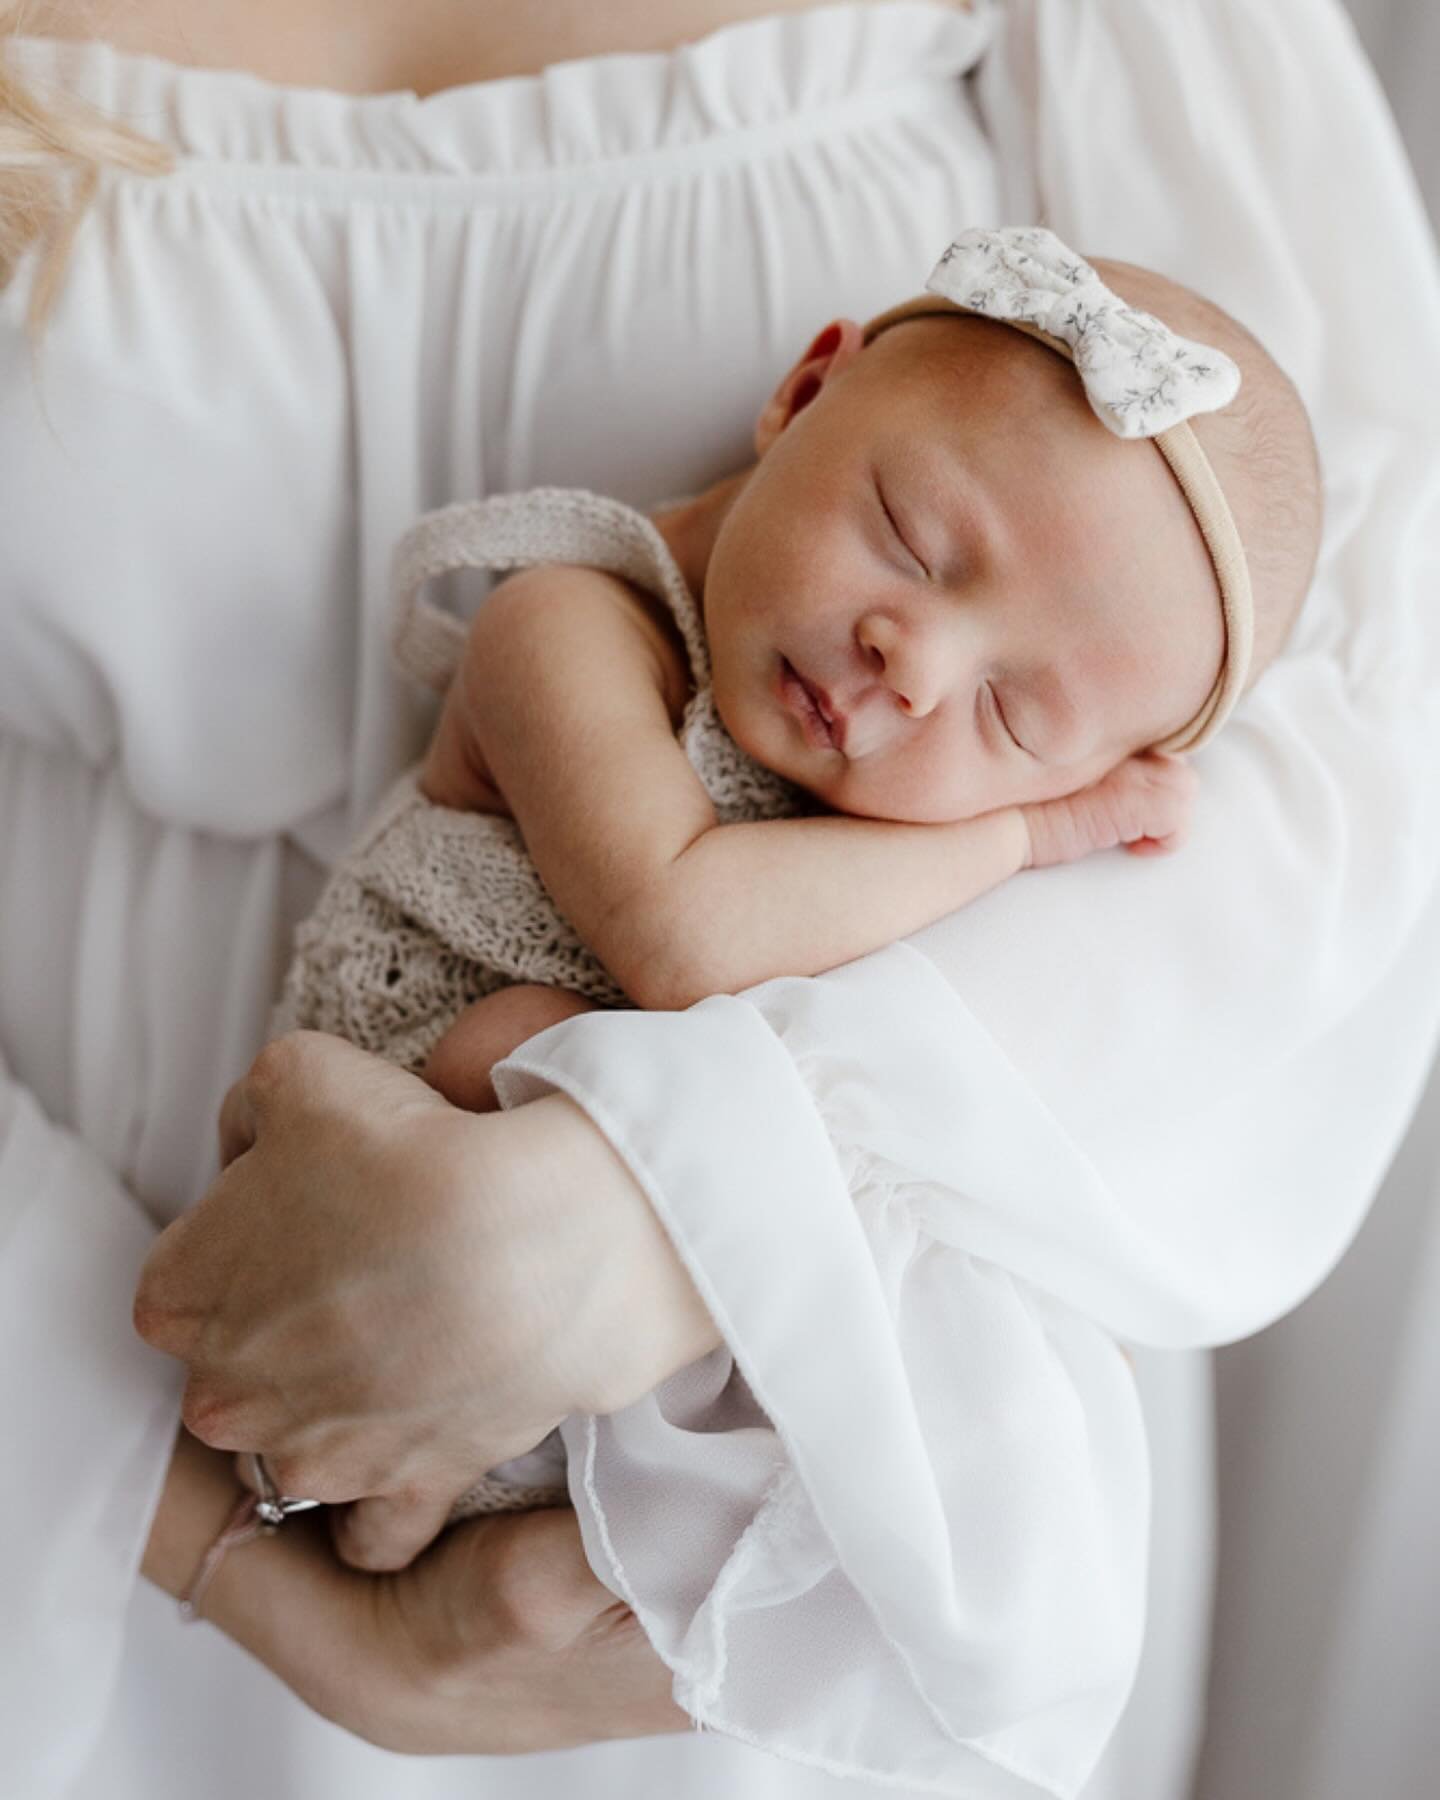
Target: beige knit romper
<point x="432" y="908"/>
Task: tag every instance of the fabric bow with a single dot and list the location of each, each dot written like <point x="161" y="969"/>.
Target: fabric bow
<point x="1140" y="376"/>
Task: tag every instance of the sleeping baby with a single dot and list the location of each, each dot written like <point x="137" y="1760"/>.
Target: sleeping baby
<point x="982" y="587"/>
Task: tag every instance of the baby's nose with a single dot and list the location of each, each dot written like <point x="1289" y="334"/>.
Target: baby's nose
<point x="918" y="663"/>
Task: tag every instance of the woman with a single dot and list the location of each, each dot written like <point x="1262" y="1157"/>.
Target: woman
<point x="340" y="309"/>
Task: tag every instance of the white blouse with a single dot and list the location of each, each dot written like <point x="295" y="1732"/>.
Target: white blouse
<point x="898" y="1527"/>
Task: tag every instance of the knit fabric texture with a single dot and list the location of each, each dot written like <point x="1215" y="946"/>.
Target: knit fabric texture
<point x="432" y="908"/>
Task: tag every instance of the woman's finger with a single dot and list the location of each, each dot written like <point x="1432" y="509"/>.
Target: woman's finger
<point x="245" y="1474"/>
<point x="289" y="1070"/>
<point x="388" y="1532"/>
<point x="219" y="1419"/>
<point x="237" y="1123"/>
<point x="191" y="1268"/>
<point x="169" y="1314"/>
<point x="284" y="1069"/>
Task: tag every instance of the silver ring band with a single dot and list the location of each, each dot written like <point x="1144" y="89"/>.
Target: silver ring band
<point x="270" y="1504"/>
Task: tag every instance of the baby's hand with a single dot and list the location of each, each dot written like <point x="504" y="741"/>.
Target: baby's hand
<point x="1143" y="804"/>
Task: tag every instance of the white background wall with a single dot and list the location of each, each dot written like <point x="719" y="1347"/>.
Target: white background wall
<point x="1403" y="39"/>
<point x="1325" y="1672"/>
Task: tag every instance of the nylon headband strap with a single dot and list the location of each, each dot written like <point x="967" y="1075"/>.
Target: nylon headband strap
<point x="1197" y="481"/>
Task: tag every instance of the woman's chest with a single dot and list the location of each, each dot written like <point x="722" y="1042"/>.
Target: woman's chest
<point x="382" y="46"/>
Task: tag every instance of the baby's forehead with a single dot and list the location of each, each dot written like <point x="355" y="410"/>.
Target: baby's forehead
<point x="977" y="391"/>
<point x="951" y="374"/>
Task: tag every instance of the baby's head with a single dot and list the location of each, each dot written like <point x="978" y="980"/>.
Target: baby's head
<point x="998" y="597"/>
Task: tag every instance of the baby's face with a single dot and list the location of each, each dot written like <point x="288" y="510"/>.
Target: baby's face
<point x="999" y="599"/>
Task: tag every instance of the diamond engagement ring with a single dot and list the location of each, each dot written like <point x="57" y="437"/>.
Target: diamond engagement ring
<point x="260" y="1512"/>
<point x="271" y="1505"/>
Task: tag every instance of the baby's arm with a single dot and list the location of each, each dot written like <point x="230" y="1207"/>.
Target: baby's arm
<point x="564" y="691"/>
<point x="797" y="896"/>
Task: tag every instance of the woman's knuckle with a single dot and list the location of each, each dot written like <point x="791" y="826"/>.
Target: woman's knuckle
<point x="211" y="1417"/>
<point x="357" y="1550"/>
<point x="273" y="1065"/>
<point x="407" y="1495"/>
<point x="514" y="1599"/>
<point x="302" y="1477"/>
<point x="543" y="1592"/>
<point x="373" y="1545"/>
<point x="154" y="1321"/>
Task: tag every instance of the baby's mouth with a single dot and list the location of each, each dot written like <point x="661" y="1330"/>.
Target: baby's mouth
<point x="826" y="727"/>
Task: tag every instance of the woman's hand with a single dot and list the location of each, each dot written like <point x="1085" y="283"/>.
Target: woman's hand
<point x="386" y="1296"/>
<point x="499" y="1639"/>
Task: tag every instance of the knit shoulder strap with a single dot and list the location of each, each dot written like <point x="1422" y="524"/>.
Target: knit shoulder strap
<point x="521" y="531"/>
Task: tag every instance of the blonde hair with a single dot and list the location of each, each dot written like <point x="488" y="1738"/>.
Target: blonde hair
<point x="51" y="157"/>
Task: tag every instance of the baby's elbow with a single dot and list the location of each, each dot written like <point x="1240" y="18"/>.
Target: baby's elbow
<point x="662" y="991"/>
<point x="655" y="953"/>
<point x="673" y="983"/>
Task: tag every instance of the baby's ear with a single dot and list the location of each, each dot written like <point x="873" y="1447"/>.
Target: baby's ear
<point x="839" y="343"/>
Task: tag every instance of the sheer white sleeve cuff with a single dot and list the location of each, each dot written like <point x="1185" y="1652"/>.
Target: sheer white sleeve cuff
<point x="898" y="1528"/>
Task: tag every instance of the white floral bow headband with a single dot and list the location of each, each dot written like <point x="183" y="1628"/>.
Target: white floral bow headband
<point x="1142" y="380"/>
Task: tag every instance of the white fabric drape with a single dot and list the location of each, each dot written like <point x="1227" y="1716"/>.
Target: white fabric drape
<point x="1403" y="40"/>
<point x="1327" y="1622"/>
<point x="923" y="1192"/>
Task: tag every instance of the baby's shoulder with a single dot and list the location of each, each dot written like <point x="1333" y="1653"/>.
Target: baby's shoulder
<point x="658" y="624"/>
<point x="597" y="615"/>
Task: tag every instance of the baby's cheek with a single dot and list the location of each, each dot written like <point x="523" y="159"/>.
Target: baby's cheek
<point x="976" y="783"/>
<point x="748" y="712"/>
<point x="906" y="790"/>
